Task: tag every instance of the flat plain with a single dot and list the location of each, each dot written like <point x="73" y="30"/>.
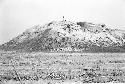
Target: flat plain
<point x="61" y="68"/>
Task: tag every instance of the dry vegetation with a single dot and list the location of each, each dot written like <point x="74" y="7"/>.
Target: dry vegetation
<point x="61" y="68"/>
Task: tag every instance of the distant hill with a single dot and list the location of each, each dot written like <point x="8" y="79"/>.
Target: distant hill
<point x="63" y="36"/>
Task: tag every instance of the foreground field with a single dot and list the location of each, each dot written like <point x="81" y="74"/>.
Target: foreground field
<point x="61" y="68"/>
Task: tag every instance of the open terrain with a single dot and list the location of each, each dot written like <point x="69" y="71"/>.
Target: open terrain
<point x="61" y="68"/>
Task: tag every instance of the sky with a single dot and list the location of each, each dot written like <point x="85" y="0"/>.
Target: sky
<point x="18" y="15"/>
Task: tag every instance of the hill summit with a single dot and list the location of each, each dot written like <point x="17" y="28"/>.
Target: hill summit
<point x="63" y="36"/>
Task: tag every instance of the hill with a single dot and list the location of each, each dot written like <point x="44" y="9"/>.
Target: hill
<point x="65" y="36"/>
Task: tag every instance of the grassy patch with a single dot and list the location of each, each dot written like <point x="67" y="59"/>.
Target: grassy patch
<point x="84" y="67"/>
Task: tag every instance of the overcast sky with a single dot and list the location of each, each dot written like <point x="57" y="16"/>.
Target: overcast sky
<point x="18" y="15"/>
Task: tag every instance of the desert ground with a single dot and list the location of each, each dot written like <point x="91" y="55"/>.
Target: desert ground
<point x="61" y="68"/>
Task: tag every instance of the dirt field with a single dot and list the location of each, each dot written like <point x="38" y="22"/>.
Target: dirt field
<point x="61" y="68"/>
